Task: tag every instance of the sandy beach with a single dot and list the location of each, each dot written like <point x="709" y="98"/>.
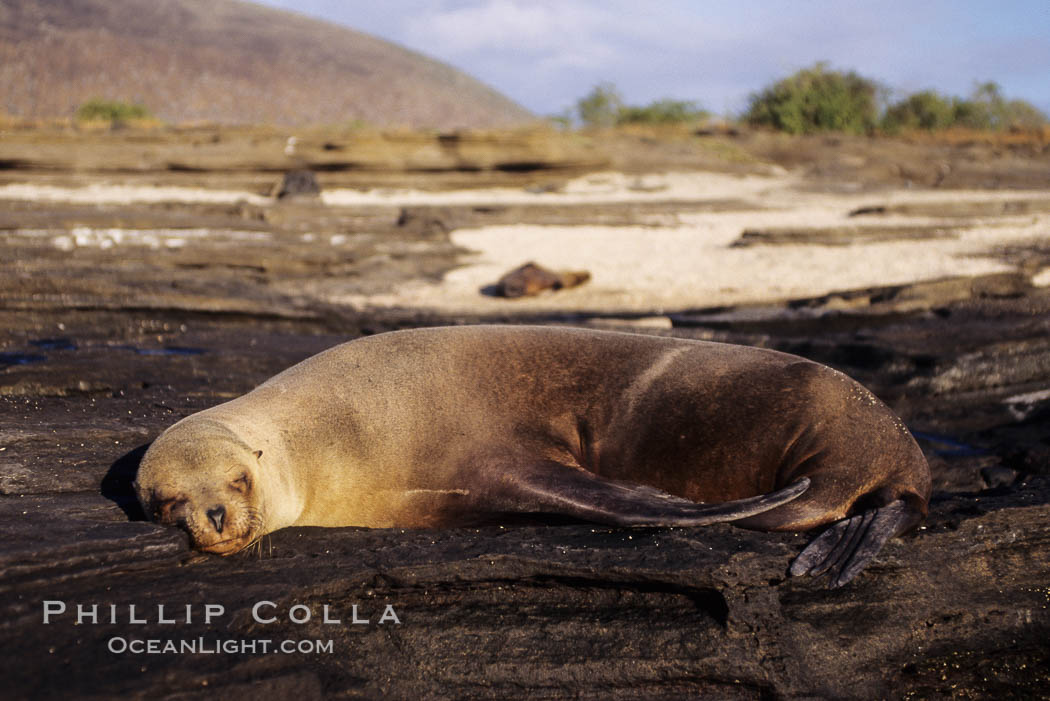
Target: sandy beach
<point x="683" y="261"/>
<point x="673" y="260"/>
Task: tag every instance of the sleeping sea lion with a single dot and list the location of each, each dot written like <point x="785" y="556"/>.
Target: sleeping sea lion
<point x="454" y="426"/>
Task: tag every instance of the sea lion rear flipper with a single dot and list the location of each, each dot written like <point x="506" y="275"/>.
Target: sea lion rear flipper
<point x="573" y="492"/>
<point x="848" y="545"/>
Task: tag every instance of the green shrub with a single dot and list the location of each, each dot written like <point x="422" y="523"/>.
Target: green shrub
<point x="972" y="115"/>
<point x="988" y="109"/>
<point x="600" y="107"/>
<point x="921" y="110"/>
<point x="1023" y="115"/>
<point x="561" y="121"/>
<point x="816" y="99"/>
<point x="98" y="109"/>
<point x="662" y="112"/>
<point x="984" y="109"/>
<point x="604" y="107"/>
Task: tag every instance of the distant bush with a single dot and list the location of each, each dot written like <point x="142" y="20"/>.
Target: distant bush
<point x="1020" y="114"/>
<point x="561" y="121"/>
<point x="979" y="111"/>
<point x="922" y="110"/>
<point x="662" y="112"/>
<point x="600" y="107"/>
<point x="604" y="107"/>
<point x="98" y="109"/>
<point x="816" y="99"/>
<point x="986" y="109"/>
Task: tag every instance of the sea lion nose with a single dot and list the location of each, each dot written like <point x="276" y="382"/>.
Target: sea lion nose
<point x="216" y="515"/>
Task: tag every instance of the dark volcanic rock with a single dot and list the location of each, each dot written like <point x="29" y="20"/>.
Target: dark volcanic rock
<point x="121" y="342"/>
<point x="523" y="611"/>
<point x="430" y="222"/>
<point x="543" y="611"/>
<point x="950" y="208"/>
<point x="299" y="184"/>
<point x="841" y="235"/>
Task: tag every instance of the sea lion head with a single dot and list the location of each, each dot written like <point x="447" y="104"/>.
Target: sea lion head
<point x="201" y="477"/>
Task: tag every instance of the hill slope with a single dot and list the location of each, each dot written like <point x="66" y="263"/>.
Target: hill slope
<point x="226" y="61"/>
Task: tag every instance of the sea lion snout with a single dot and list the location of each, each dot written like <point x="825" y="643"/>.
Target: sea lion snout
<point x="221" y="528"/>
<point x="220" y="521"/>
<point x="216" y="514"/>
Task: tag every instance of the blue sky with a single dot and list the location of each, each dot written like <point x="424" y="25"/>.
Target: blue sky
<point x="545" y="54"/>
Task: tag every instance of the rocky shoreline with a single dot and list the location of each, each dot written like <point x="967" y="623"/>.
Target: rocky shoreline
<point x="102" y="345"/>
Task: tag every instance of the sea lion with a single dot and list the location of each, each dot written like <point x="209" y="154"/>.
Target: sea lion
<point x="452" y="426"/>
<point x="530" y="279"/>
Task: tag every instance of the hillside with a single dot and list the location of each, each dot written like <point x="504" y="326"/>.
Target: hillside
<point x="226" y="61"/>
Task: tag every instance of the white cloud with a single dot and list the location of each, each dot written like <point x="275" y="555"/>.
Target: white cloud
<point x="528" y="28"/>
<point x="544" y="54"/>
<point x="547" y="53"/>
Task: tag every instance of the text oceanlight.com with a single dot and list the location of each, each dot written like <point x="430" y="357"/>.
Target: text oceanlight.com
<point x="204" y="646"/>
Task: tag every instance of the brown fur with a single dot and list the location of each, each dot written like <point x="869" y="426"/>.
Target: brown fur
<point x="429" y="427"/>
<point x="531" y="279"/>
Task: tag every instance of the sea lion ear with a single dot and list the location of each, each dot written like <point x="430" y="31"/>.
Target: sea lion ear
<point x="257" y="454"/>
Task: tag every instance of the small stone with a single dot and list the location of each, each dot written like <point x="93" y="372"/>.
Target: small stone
<point x="298" y="184"/>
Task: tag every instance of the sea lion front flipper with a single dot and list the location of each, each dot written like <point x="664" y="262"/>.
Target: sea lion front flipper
<point x="557" y="489"/>
<point x="849" y="545"/>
